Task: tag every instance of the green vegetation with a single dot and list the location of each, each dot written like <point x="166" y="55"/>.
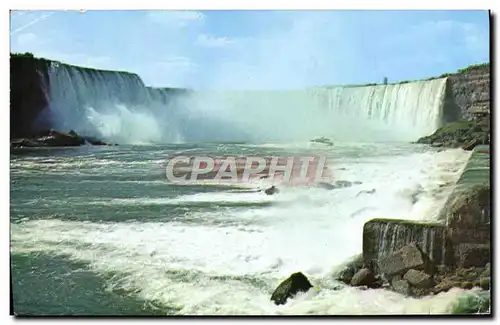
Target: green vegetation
<point x="462" y="133"/>
<point x="20" y="55"/>
<point x="473" y="67"/>
<point x="444" y="75"/>
<point x="456" y="126"/>
<point x="463" y="70"/>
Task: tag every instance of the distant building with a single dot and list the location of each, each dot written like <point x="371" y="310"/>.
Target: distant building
<point x="385" y="80"/>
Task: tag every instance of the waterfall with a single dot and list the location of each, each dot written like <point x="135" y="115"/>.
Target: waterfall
<point x="414" y="109"/>
<point x="118" y="107"/>
<point x="115" y="106"/>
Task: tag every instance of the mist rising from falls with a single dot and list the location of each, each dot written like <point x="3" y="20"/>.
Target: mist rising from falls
<point x="399" y="112"/>
<point x="114" y="106"/>
<point x="118" y="107"/>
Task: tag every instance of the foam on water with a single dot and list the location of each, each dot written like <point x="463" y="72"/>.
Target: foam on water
<point x="232" y="266"/>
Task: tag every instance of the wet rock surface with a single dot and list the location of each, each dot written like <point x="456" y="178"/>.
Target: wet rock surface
<point x="408" y="257"/>
<point x="465" y="134"/>
<point x="53" y="138"/>
<point x="422" y="258"/>
<point x="347" y="273"/>
<point x="363" y="277"/>
<point x="401" y="286"/>
<point x="296" y="283"/>
<point x="272" y="190"/>
<point x="418" y="281"/>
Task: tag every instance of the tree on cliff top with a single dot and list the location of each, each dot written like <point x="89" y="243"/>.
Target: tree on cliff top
<point x="26" y="54"/>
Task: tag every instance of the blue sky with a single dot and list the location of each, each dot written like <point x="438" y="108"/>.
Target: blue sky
<point x="258" y="49"/>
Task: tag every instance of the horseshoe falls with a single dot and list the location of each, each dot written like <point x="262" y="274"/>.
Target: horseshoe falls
<point x="108" y="235"/>
<point x="118" y="107"/>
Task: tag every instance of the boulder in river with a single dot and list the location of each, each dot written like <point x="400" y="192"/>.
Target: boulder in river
<point x="272" y="190"/>
<point x="402" y="287"/>
<point x="326" y="186"/>
<point x="418" y="279"/>
<point x="363" y="277"/>
<point x="346" y="274"/>
<point x="296" y="283"/>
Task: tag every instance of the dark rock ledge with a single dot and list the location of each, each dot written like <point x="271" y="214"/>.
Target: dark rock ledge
<point x="465" y="134"/>
<point x="52" y="138"/>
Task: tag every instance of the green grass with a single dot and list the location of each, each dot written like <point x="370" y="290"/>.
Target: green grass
<point x="455" y="126"/>
<point x="473" y="67"/>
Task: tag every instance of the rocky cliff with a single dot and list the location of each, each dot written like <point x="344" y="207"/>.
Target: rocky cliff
<point x="466" y="110"/>
<point x="28" y="81"/>
<point x="467" y="93"/>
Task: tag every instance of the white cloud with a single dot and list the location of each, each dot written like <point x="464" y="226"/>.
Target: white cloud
<point x="213" y="41"/>
<point x="175" y="19"/>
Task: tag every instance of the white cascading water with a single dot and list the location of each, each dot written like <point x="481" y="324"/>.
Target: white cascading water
<point x="117" y="107"/>
<point x="114" y="106"/>
<point x="413" y="109"/>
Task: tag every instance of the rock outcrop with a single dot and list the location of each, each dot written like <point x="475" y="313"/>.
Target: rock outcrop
<point x="465" y="134"/>
<point x="466" y="110"/>
<point x="467" y="93"/>
<point x="416" y="259"/>
<point x="410" y="272"/>
<point x="54" y="138"/>
<point x="28" y="84"/>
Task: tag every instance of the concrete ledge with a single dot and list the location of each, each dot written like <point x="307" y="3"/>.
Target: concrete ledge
<point x="381" y="237"/>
